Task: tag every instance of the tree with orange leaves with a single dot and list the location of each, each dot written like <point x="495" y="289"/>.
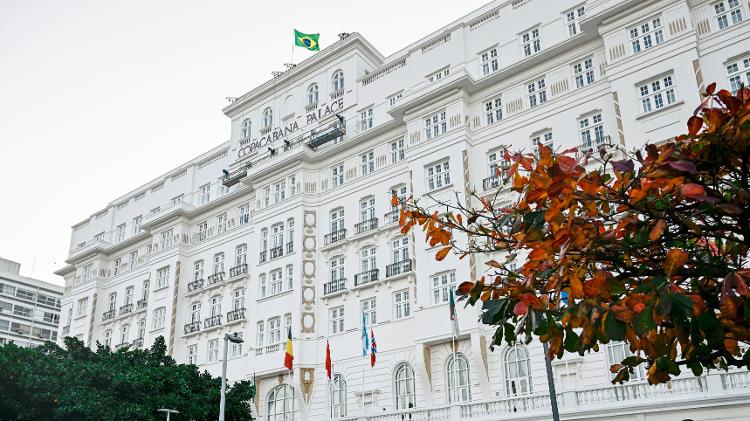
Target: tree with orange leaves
<point x="651" y="249"/>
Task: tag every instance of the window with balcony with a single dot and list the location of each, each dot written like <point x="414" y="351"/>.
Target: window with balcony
<point x="728" y="13"/>
<point x="246" y="128"/>
<point x="493" y="110"/>
<point x="274" y="330"/>
<point x="367" y="265"/>
<point x="337" y="221"/>
<point x="259" y="334"/>
<point x="488" y="61"/>
<point x="369" y="311"/>
<point x="517" y="371"/>
<point x="158" y="318"/>
<point x="397" y="150"/>
<point x="365" y="119"/>
<point x="657" y="93"/>
<point x="312" y="96"/>
<point x="192" y="354"/>
<point x="277" y="240"/>
<point x="218" y="263"/>
<point x="367" y="219"/>
<point x="215" y="302"/>
<point x="141" y="328"/>
<point x="290" y="235"/>
<point x="457" y="374"/>
<point x="401" y="304"/>
<point x="404" y="390"/>
<point x="400" y="193"/>
<point x="646" y="35"/>
<point x="198" y="270"/>
<point x="162" y="277"/>
<point x="221" y="223"/>
<point x="537" y="92"/>
<point x="591" y="132"/>
<point x="439" y="75"/>
<point x="400" y="261"/>
<point x="531" y="42"/>
<point x="441" y="285"/>
<point x="125" y="334"/>
<point x="213" y="351"/>
<point x="543" y="138"/>
<point x="435" y="125"/>
<point x="195" y="312"/>
<point x="336" y="316"/>
<point x="367" y="163"/>
<point x="238" y="299"/>
<point x="337" y="175"/>
<point x="204" y="194"/>
<point x="438" y="175"/>
<point x="240" y="255"/>
<point x="267" y="118"/>
<point x="583" y="72"/>
<point x="112" y="301"/>
<point x="573" y="19"/>
<point x="738" y="72"/>
<point x="244" y="212"/>
<point x="129" y="291"/>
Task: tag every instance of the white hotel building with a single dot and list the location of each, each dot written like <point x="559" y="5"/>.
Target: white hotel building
<point x="301" y="234"/>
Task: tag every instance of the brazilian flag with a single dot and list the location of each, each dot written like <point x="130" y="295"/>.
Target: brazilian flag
<point x="309" y="41"/>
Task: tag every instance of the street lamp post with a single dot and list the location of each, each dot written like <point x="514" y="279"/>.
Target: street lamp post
<point x="169" y="412"/>
<point x="234" y="338"/>
<point x="551" y="384"/>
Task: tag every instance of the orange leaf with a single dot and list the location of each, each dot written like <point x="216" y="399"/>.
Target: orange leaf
<point x="676" y="258"/>
<point x="394" y="200"/>
<point x="494" y="264"/>
<point x="520" y="308"/>
<point x="465" y="288"/>
<point x="440" y="255"/>
<point x="657" y="230"/>
<point x="694" y="125"/>
<point x="693" y="190"/>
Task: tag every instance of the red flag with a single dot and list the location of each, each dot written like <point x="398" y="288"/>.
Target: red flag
<point x="328" y="360"/>
<point x="289" y="355"/>
<point x="373" y="349"/>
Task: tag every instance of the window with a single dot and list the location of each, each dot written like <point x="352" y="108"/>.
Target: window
<point x="573" y="19"/>
<point x="728" y="13"/>
<point x="179" y="198"/>
<point x="204" y="194"/>
<point x="120" y="233"/>
<point x="367" y="209"/>
<point x="202" y="230"/>
<point x="290" y="277"/>
<point x="544" y="138"/>
<point x="367" y="262"/>
<point x="281" y="404"/>
<point x="192" y="352"/>
<point x="129" y="295"/>
<point x="367" y="162"/>
<point x="198" y="270"/>
<point x="146" y="286"/>
<point x="618" y="351"/>
<point x="264" y="239"/>
<point x="238" y="299"/>
<point x="240" y="255"/>
<point x="656" y="94"/>
<point x="531" y="42"/>
<point x="441" y="285"/>
<point x="235" y="348"/>
<point x="218" y="263"/>
<point x="517" y="371"/>
<point x="337" y="268"/>
<point x="108" y="338"/>
<point x="735" y="71"/>
<point x="337" y="175"/>
<point x="276" y="282"/>
<point x="337" y="220"/>
<point x="403" y="387"/>
<point x="125" y="334"/>
<point x="312" y="95"/>
<point x="395" y="98"/>
<point x="244" y="214"/>
<point x="223" y="190"/>
<point x="195" y="312"/>
<point x="488" y="61"/>
<point x="537" y="92"/>
<point x="646" y="35"/>
<point x="290" y="235"/>
<point x="583" y="72"/>
<point x="213" y="351"/>
<point x="277" y="237"/>
<point x="215" y="305"/>
<point x="262" y="285"/>
<point x="112" y="301"/>
<point x="99" y="237"/>
<point x="338" y="397"/>
<point x="368" y="309"/>
<point x="438" y="75"/>
<point x="494" y="110"/>
<point x="137" y="224"/>
<point x="365" y="119"/>
<point x="259" y="332"/>
<point x="399" y="249"/>
<point x="221" y="223"/>
<point x="435" y="125"/>
<point x="279" y="191"/>
<point x="397" y="150"/>
<point x="267" y="118"/>
<point x="401" y="304"/>
<point x="274" y="331"/>
<point x="246" y="128"/>
<point x="287" y="322"/>
<point x="292" y="185"/>
<point x="591" y="129"/>
<point x="337" y="319"/>
<point x="162" y="277"/>
<point x="266" y="196"/>
<point x="400" y="193"/>
<point x="338" y="80"/>
<point x="457" y="372"/>
<point x="438" y="175"/>
<point x="158" y="318"/>
<point x="141" y="328"/>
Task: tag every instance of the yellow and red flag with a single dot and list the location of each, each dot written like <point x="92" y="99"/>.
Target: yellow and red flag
<point x="289" y="355"/>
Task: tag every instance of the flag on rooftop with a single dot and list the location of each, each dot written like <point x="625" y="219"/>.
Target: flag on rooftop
<point x="309" y="41"/>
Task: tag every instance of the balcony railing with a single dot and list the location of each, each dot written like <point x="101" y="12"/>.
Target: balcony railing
<point x="262" y="256"/>
<point x="238" y="270"/>
<point x="594" y="146"/>
<point x="273" y="348"/>
<point x="398" y="268"/>
<point x="212" y="321"/>
<point x="289" y="248"/>
<point x="258" y="351"/>
<point x="141" y="304"/>
<point x="492" y="182"/>
<point x="123" y="345"/>
<point x="195" y="285"/>
<point x="137" y="343"/>
<point x="365" y="226"/>
<point x="337" y="93"/>
<point x="234" y="315"/>
<point x="107" y="315"/>
<point x="65" y="330"/>
<point x="192" y="327"/>
<point x="391" y="217"/>
<point x="366" y="277"/>
<point x="127" y="308"/>
<point x="215" y="278"/>
<point x="334" y="286"/>
<point x="277" y="252"/>
<point x="334" y="237"/>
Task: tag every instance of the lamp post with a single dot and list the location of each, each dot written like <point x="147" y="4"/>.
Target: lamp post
<point x="551" y="384"/>
<point x="237" y="339"/>
<point x="169" y="412"/>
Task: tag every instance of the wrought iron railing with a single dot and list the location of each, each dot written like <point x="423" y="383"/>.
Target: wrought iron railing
<point x="334" y="286"/>
<point x="262" y="256"/>
<point x="398" y="268"/>
<point x="238" y="270"/>
<point x="192" y="327"/>
<point x="289" y="247"/>
<point x="137" y="343"/>
<point x="141" y="304"/>
<point x="492" y="182"/>
<point x="234" y="315"/>
<point x="277" y="252"/>
<point x="365" y="226"/>
<point x="215" y="278"/>
<point x="195" y="285"/>
<point x="127" y="308"/>
<point x="212" y="321"/>
<point x="109" y="314"/>
<point x="334" y="237"/>
<point x="366" y="277"/>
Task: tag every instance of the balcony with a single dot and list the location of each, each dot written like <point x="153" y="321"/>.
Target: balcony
<point x="108" y="315"/>
<point x="398" y="268"/>
<point x="215" y="278"/>
<point x="277" y="252"/>
<point x="336" y="285"/>
<point x="334" y="131"/>
<point x="137" y="343"/>
<point x="66" y="330"/>
<point x="334" y="237"/>
<point x="492" y="182"/>
<point x="192" y="327"/>
<point x="238" y="270"/>
<point x="337" y="93"/>
<point x="273" y="348"/>
<point x="195" y="285"/>
<point x="311" y="106"/>
<point x="391" y="217"/>
<point x="212" y="321"/>
<point x="262" y="257"/>
<point x="595" y="146"/>
<point x="124" y="345"/>
<point x="289" y="248"/>
<point x="366" y="277"/>
<point x="126" y="309"/>
<point x="141" y="304"/>
<point x="365" y="226"/>
<point x="234" y="177"/>
<point x="236" y="315"/>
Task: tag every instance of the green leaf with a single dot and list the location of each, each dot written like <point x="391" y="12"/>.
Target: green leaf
<point x="633" y="361"/>
<point x="571" y="340"/>
<point x="644" y="322"/>
<point x="682" y="305"/>
<point x="614" y="328"/>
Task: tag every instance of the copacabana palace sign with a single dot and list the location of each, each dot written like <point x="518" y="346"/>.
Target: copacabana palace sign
<point x="251" y="146"/>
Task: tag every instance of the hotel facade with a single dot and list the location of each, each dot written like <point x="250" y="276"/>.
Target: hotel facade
<point x="288" y="224"/>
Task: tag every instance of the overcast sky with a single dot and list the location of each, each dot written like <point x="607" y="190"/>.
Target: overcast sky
<point x="98" y="97"/>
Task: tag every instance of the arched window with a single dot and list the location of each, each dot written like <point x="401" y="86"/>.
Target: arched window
<point x="246" y="128"/>
<point x="457" y="372"/>
<point x="312" y="94"/>
<point x="267" y="118"/>
<point x="338" y="80"/>
<point x="517" y="371"/>
<point x="281" y="405"/>
<point x="338" y="397"/>
<point x="403" y="386"/>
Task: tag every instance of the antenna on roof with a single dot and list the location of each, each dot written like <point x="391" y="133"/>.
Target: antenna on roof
<point x="276" y="73"/>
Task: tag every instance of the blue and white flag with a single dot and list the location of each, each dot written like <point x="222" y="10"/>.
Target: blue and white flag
<point x="365" y="339"/>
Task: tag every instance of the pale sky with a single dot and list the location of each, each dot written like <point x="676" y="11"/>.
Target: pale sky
<point x="98" y="97"/>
